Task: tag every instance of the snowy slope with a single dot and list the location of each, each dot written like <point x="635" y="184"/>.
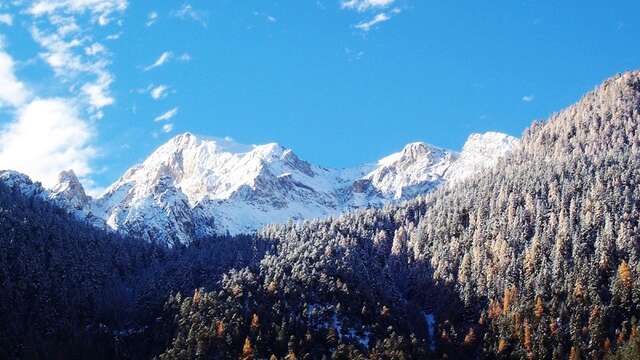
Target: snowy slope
<point x="479" y="152"/>
<point x="20" y="182"/>
<point x="194" y="186"/>
<point x="200" y="186"/>
<point x="418" y="168"/>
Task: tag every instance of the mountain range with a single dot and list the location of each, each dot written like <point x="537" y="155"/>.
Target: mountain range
<point x="193" y="187"/>
<point x="535" y="257"/>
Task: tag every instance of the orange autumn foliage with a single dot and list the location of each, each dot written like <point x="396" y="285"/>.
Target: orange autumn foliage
<point x="495" y="310"/>
<point x="539" y="307"/>
<point x="470" y="338"/>
<point x="502" y="345"/>
<point x="507" y="299"/>
<point x="247" y="350"/>
<point x="527" y="336"/>
<point x="624" y="272"/>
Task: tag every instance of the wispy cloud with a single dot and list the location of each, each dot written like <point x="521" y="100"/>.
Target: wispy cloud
<point x="159" y="92"/>
<point x="376" y="11"/>
<point x="364" y="5"/>
<point x="162" y="59"/>
<point x="528" y="98"/>
<point x="51" y="134"/>
<point x="167" y="116"/>
<point x="378" y="19"/>
<point x="100" y="10"/>
<point x="353" y="55"/>
<point x="187" y="12"/>
<point x="115" y="36"/>
<point x="6" y="19"/>
<point x="167" y="128"/>
<point x="151" y="18"/>
<point x="94" y="49"/>
<point x="267" y="17"/>
<point x="70" y="49"/>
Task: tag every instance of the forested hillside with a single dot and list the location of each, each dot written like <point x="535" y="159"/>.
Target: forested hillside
<point x="70" y="291"/>
<point x="535" y="258"/>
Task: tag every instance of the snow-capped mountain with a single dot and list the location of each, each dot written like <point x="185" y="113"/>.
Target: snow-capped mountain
<point x="481" y="151"/>
<point x="195" y="186"/>
<point x="415" y="170"/>
<point x="69" y="190"/>
<point x="199" y="186"/>
<point x="22" y="183"/>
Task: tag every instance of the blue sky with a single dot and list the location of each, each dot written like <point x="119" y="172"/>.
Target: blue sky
<point x="340" y="82"/>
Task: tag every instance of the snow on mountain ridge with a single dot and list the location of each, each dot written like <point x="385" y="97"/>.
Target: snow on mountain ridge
<point x="70" y="190"/>
<point x="481" y="151"/>
<point x="417" y="165"/>
<point x="195" y="186"/>
<point x="20" y="182"/>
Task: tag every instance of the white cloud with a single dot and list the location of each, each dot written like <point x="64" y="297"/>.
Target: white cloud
<point x="114" y="36"/>
<point x="159" y="92"/>
<point x="94" y="49"/>
<point x="12" y="91"/>
<point x="353" y="55"/>
<point x="185" y="57"/>
<point x="267" y="17"/>
<point x="98" y="92"/>
<point x="167" y="128"/>
<point x="167" y="116"/>
<point x="6" y="19"/>
<point x="101" y="10"/>
<point x="151" y="18"/>
<point x="142" y="90"/>
<point x="48" y="136"/>
<point x="528" y="98"/>
<point x="187" y="12"/>
<point x="369" y="6"/>
<point x="364" y="5"/>
<point x="367" y="25"/>
<point x="70" y="50"/>
<point x="163" y="59"/>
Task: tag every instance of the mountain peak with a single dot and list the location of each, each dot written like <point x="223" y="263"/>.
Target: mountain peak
<point x="68" y="176"/>
<point x="480" y="151"/>
<point x="416" y="149"/>
<point x="490" y="141"/>
<point x="417" y="168"/>
<point x="218" y="144"/>
<point x="183" y="139"/>
<point x="70" y="190"/>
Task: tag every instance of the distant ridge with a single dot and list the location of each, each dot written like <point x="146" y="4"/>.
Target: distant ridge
<point x="195" y="186"/>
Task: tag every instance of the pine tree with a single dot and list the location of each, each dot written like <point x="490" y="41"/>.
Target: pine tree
<point x="247" y="350"/>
